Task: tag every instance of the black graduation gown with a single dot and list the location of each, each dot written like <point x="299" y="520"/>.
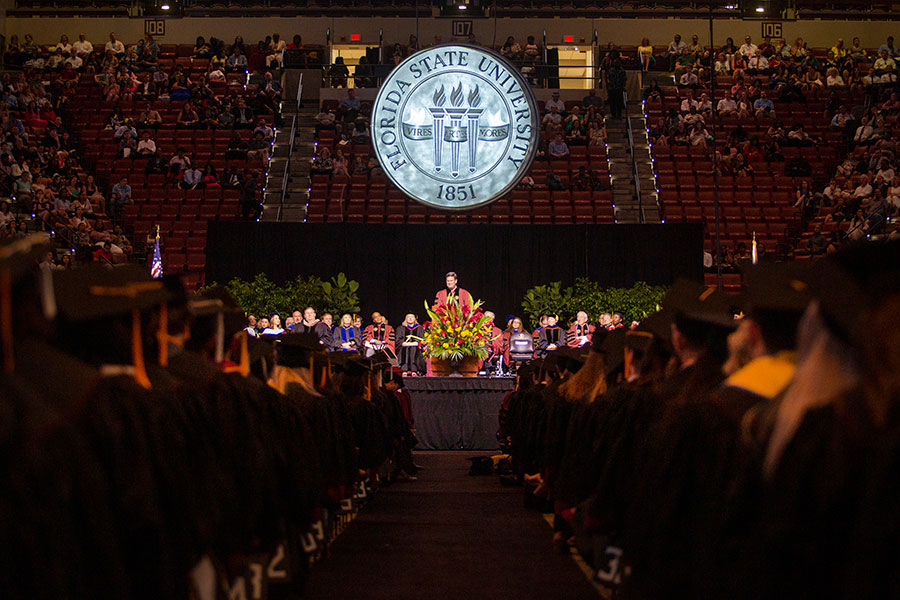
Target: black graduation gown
<point x="411" y="357"/>
<point x="56" y="534"/>
<point x="549" y="335"/>
<point x="797" y="526"/>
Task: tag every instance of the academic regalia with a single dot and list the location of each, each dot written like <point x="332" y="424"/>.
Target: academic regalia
<point x="576" y="332"/>
<point x="322" y="331"/>
<point x="464" y="297"/>
<point x="410" y="356"/>
<point x="379" y="333"/>
<point x="547" y="336"/>
<point x="341" y="334"/>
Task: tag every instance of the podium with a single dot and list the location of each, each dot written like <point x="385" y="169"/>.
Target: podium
<point x="457" y="413"/>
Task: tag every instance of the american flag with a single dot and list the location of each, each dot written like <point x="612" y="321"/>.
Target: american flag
<point x="156" y="268"/>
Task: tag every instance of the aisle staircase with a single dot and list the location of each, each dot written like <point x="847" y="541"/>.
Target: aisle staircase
<point x="287" y="187"/>
<point x="628" y="201"/>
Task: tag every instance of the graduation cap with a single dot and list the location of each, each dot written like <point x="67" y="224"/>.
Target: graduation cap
<point x="296" y="350"/>
<point x="16" y="258"/>
<point x="571" y="359"/>
<point x="696" y="302"/>
<point x="852" y="281"/>
<point x="392" y="374"/>
<point x="654" y="326"/>
<point x="613" y="348"/>
<point x="775" y="287"/>
<point x="97" y="292"/>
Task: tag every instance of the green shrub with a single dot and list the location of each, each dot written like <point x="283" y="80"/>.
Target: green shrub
<point x="551" y="299"/>
<point x="340" y="296"/>
<point x="634" y="303"/>
<point x="262" y="296"/>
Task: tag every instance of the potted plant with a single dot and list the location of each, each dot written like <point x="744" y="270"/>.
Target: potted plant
<point x="456" y="340"/>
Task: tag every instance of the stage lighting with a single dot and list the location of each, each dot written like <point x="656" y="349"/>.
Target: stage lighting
<point x="760" y="9"/>
<point x="164" y="6"/>
<point x="468" y="8"/>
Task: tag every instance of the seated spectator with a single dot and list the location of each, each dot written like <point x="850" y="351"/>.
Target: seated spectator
<point x="322" y="163"/>
<point x="798" y="136"/>
<point x="676" y="49"/>
<point x="582" y="180"/>
<point x="653" y="93"/>
<point x="120" y="195"/>
<point x="531" y="49"/>
<point x="727" y="106"/>
<point x="191" y="178"/>
<point x="359" y="166"/>
<point x="234" y="180"/>
<point x="833" y="78"/>
<point x="258" y="148"/>
<point x="348" y="107"/>
<point x="555" y="102"/>
<point x="338" y="74"/>
<point x="262" y="127"/>
<point x="187" y="117"/>
<point x="83" y="48"/>
<point x="127" y="146"/>
<point x="237" y="62"/>
<point x="883" y="71"/>
<point x="511" y="49"/>
<point x="558" y="149"/>
<point x="243" y="115"/>
<point x="763" y="107"/>
<point x="554" y="183"/>
<point x="177" y="164"/>
<point x="360" y="132"/>
<point x="552" y="118"/>
<point x="574" y="126"/>
<point x="202" y="49"/>
<point x="688" y="78"/>
<point x="340" y="165"/>
<point x="147" y="146"/>
<point x="116" y="47"/>
<point x="210" y="177"/>
<point x="104" y="253"/>
<point x="865" y="133"/>
<point x="527" y="183"/>
<point x="596" y="134"/>
<point x="237" y="147"/>
<point x="215" y="74"/>
<point x="275" y="52"/>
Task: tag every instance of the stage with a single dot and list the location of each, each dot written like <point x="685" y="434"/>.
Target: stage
<point x="457" y="413"/>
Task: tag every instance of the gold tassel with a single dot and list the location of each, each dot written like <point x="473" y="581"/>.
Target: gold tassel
<point x="137" y="351"/>
<point x="243" y="366"/>
<point x="162" y="335"/>
<point x="6" y="322"/>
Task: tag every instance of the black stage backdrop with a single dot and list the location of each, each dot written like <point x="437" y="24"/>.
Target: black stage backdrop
<point x="398" y="267"/>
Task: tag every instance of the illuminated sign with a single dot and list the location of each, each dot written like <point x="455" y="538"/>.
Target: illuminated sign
<point x="455" y="126"/>
<point x="354" y="37"/>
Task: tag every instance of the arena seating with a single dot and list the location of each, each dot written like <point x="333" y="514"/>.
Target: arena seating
<point x="360" y="199"/>
<point x="182" y="216"/>
<point x="761" y="203"/>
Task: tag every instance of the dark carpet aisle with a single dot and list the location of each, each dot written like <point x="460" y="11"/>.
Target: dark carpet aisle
<point x="447" y="535"/>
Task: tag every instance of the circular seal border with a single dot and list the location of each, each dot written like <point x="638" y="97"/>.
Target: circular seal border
<point x="529" y="99"/>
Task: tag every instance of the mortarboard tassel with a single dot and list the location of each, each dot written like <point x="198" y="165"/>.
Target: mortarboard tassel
<point x="162" y="336"/>
<point x="6" y="323"/>
<point x="754" y="257"/>
<point x="243" y="366"/>
<point x="137" y="351"/>
<point x="220" y="338"/>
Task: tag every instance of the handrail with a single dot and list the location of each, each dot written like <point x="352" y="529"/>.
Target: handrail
<point x="287" y="167"/>
<point x="287" y="163"/>
<point x="634" y="169"/>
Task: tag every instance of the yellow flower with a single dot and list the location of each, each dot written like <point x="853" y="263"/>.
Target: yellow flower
<point x="446" y="345"/>
<point x="481" y="343"/>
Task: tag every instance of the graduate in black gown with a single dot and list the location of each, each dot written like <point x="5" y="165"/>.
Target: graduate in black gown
<point x="409" y="335"/>
<point x="550" y="337"/>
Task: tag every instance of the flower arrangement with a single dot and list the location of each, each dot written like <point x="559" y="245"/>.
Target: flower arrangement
<point x="456" y="331"/>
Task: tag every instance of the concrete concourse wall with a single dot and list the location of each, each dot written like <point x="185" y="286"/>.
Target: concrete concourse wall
<point x="619" y="31"/>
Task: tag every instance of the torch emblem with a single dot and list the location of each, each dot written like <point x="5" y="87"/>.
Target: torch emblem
<point x="456" y="124"/>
